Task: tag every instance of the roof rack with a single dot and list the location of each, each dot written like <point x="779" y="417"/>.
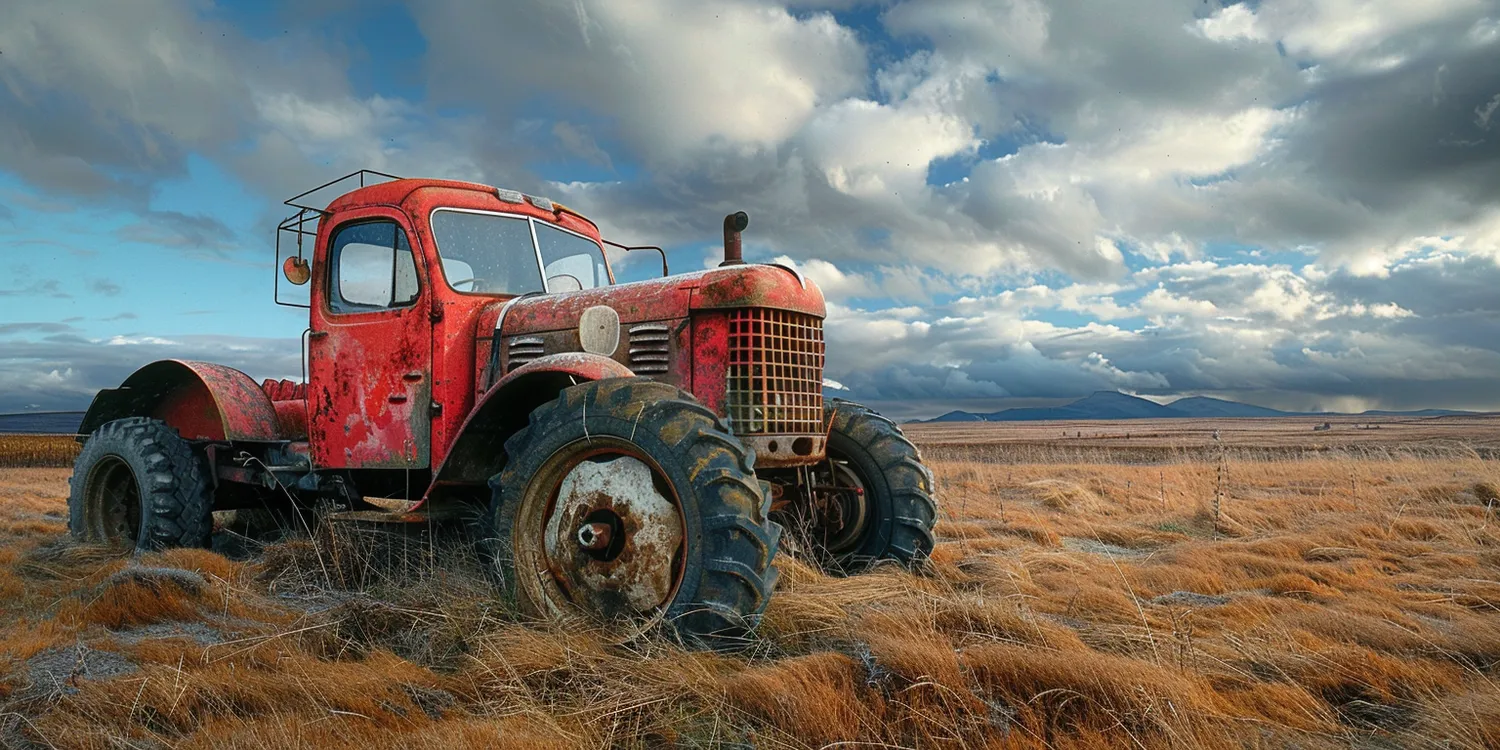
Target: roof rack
<point x="361" y="175"/>
<point x="296" y="225"/>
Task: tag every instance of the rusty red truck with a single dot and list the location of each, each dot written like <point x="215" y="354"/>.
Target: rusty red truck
<point x="632" y="451"/>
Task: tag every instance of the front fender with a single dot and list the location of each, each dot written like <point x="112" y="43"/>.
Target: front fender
<point x="202" y="400"/>
<point x="478" y="452"/>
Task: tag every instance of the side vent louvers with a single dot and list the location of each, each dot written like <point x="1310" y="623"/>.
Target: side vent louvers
<point x="650" y="347"/>
<point x="522" y="349"/>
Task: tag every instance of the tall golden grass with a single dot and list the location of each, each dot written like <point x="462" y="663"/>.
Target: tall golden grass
<point x="1338" y="600"/>
<point x="37" y="450"/>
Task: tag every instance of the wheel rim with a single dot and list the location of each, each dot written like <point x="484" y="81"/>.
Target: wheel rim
<point x="840" y="517"/>
<point x="601" y="533"/>
<point x="112" y="498"/>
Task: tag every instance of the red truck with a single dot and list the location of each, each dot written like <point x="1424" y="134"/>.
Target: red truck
<point x="634" y="450"/>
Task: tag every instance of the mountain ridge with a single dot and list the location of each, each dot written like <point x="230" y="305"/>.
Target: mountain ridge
<point x="1114" y="405"/>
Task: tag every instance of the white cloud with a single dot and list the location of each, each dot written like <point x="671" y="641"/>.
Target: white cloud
<point x="880" y="152"/>
<point x="675" y="74"/>
<point x="1231" y="23"/>
<point x="1348" y="29"/>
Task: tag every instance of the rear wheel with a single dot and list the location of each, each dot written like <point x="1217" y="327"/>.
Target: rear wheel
<point x="871" y="501"/>
<point x="137" y="483"/>
<point x="627" y="503"/>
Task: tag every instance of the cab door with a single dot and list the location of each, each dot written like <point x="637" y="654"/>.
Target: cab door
<point x="370" y="349"/>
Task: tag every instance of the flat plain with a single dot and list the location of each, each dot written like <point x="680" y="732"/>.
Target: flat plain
<point x="1121" y="584"/>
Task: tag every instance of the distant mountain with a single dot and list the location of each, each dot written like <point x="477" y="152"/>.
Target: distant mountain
<point x="1099" y="405"/>
<point x="1203" y="406"/>
<point x="1417" y="413"/>
<point x="1116" y="405"/>
<point x="956" y="416"/>
<point x="50" y="422"/>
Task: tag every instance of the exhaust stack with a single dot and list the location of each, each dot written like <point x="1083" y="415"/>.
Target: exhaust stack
<point x="733" y="225"/>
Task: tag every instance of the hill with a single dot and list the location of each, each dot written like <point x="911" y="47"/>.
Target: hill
<point x="1203" y="406"/>
<point x="1113" y="405"/>
<point x="1099" y="405"/>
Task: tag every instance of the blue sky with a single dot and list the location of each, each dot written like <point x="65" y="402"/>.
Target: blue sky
<point x="1005" y="201"/>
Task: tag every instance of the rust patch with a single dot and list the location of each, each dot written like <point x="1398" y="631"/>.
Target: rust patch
<point x="613" y="538"/>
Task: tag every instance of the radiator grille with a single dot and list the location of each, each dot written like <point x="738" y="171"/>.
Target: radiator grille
<point x="650" y="348"/>
<point x="523" y="349"/>
<point x="775" y="372"/>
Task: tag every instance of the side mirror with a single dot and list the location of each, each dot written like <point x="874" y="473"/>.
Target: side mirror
<point x="296" y="270"/>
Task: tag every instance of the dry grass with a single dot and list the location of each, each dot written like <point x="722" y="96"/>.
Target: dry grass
<point x="1337" y="601"/>
<point x="38" y="450"/>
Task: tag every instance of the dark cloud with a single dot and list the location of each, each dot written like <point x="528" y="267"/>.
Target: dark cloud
<point x="63" y="371"/>
<point x="43" y="288"/>
<point x="120" y="316"/>
<point x="14" y="328"/>
<point x="577" y="141"/>
<point x="193" y="232"/>
<point x="105" y="287"/>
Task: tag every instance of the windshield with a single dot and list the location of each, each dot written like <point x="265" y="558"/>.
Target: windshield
<point x="486" y="253"/>
<point x="571" y="261"/>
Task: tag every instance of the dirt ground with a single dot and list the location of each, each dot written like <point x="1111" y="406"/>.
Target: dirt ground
<point x="1254" y="592"/>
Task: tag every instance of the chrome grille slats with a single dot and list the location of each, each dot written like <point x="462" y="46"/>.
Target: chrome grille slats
<point x="775" y="372"/>
<point x="650" y="348"/>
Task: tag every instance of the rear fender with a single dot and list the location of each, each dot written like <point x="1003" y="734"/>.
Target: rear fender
<point x="479" y="451"/>
<point x="203" y="401"/>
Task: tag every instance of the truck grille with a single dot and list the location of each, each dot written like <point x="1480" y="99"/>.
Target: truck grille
<point x="775" y="372"/>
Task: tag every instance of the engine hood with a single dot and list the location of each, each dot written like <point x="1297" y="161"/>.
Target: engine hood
<point x="668" y="298"/>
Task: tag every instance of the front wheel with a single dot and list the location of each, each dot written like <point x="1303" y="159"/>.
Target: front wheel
<point x="624" y="501"/>
<point x="871" y="501"/>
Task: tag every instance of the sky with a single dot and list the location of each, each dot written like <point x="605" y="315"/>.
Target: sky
<point x="1293" y="203"/>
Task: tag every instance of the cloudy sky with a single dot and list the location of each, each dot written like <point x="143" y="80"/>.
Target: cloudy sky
<point x="1294" y="203"/>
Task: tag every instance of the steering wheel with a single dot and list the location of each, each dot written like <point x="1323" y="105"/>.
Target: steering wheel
<point x="474" y="281"/>
<point x="575" y="279"/>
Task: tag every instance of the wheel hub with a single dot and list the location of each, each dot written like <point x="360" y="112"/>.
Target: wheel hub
<point x="613" y="538"/>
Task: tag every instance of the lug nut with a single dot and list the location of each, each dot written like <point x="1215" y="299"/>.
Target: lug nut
<point x="594" y="536"/>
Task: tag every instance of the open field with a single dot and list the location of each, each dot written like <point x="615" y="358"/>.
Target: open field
<point x="1176" y="440"/>
<point x="1345" y="596"/>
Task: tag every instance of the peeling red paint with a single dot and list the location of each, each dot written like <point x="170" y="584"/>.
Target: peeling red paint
<point x="201" y="399"/>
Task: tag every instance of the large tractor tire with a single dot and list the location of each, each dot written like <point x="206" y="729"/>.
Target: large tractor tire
<point x="138" y="484"/>
<point x="627" y="503"/>
<point x="879" y="505"/>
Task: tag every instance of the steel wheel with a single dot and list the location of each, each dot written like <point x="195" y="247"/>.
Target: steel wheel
<point x="625" y="502"/>
<point x="836" y="513"/>
<point x="600" y="532"/>
<point x="112" y="501"/>
<point x="871" y="501"/>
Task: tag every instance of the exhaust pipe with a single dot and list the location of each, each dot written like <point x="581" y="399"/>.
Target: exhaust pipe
<point x="733" y="225"/>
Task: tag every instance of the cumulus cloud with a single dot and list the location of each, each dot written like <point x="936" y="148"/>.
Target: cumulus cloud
<point x="1000" y="198"/>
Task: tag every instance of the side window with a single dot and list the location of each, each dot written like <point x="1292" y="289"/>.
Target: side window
<point x="372" y="268"/>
